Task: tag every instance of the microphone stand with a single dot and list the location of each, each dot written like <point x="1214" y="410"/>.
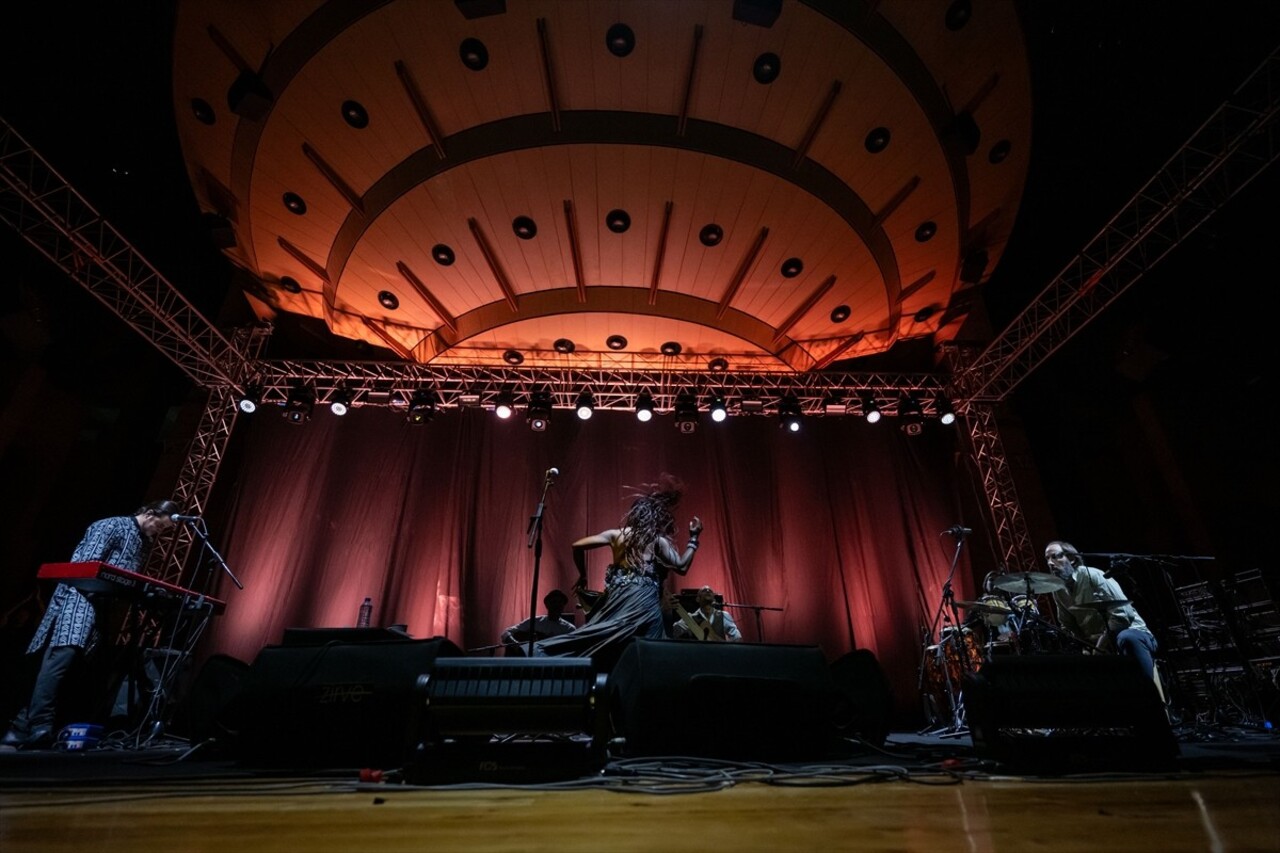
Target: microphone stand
<point x="153" y="721"/>
<point x="757" y="608"/>
<point x="957" y="726"/>
<point x="535" y="542"/>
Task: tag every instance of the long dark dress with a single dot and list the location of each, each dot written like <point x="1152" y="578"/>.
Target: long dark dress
<point x="632" y="608"/>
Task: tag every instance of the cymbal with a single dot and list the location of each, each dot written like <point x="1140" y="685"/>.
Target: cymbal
<point x="1038" y="582"/>
<point x="986" y="607"/>
<point x="1101" y="605"/>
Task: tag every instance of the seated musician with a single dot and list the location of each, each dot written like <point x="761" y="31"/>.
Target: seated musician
<point x="1116" y="628"/>
<point x="551" y="625"/>
<point x="706" y="622"/>
<point x="68" y="633"/>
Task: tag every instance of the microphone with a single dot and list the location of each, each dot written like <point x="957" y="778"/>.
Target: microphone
<point x="957" y="530"/>
<point x="189" y="519"/>
<point x="552" y="473"/>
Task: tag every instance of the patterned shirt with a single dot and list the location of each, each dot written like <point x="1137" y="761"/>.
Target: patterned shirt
<point x="71" y="617"/>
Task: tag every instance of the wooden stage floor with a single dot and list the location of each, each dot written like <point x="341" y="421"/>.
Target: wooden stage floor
<point x="1219" y="796"/>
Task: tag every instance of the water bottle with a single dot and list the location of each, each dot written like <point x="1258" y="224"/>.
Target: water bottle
<point x="366" y="611"/>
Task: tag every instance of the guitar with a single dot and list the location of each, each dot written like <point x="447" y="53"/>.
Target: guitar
<point x="705" y="631"/>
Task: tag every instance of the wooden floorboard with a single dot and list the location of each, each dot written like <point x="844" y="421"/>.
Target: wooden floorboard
<point x="1228" y="811"/>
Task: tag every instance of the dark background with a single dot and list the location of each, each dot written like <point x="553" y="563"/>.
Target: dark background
<point x="1145" y="434"/>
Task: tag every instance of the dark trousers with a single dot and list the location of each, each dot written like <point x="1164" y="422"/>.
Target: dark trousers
<point x="43" y="707"/>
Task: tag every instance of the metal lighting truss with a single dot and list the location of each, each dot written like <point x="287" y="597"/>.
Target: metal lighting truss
<point x="56" y="221"/>
<point x="1228" y="151"/>
<point x="1231" y="148"/>
<point x="393" y="383"/>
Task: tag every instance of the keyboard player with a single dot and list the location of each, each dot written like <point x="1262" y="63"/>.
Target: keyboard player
<point x="68" y="633"/>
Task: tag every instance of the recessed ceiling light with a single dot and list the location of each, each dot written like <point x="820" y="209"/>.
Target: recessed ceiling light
<point x="617" y="221"/>
<point x="926" y="231"/>
<point x="525" y="228"/>
<point x="958" y="14"/>
<point x="474" y="54"/>
<point x="442" y="254"/>
<point x="877" y="140"/>
<point x="388" y="300"/>
<point x="564" y="345"/>
<point x="792" y="267"/>
<point x="999" y="152"/>
<point x="512" y="357"/>
<point x="203" y="111"/>
<point x="840" y="313"/>
<point x="671" y="348"/>
<point x="354" y="114"/>
<point x="616" y="342"/>
<point x="718" y="365"/>
<point x="767" y="67"/>
<point x="294" y="203"/>
<point x="711" y="235"/>
<point x="620" y="40"/>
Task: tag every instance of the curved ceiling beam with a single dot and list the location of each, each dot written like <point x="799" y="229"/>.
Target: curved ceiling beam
<point x="599" y="127"/>
<point x="756" y="334"/>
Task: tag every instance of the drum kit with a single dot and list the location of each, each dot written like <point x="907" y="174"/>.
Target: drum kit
<point x="1004" y="621"/>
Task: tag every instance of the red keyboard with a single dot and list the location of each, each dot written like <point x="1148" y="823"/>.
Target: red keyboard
<point x="105" y="578"/>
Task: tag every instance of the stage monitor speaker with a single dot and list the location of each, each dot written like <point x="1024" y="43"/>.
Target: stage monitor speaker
<point x="859" y="676"/>
<point x="1068" y="713"/>
<point x="513" y="720"/>
<point x="337" y="705"/>
<point x="734" y="701"/>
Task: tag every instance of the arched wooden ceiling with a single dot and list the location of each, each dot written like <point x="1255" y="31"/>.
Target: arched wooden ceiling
<point x="556" y="129"/>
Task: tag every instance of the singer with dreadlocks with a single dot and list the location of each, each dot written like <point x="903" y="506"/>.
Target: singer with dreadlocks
<point x="644" y="552"/>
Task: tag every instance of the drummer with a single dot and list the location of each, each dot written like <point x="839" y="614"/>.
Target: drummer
<point x="551" y="625"/>
<point x="1119" y="626"/>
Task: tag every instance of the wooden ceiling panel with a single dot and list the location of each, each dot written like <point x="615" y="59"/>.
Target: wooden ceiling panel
<point x="720" y="171"/>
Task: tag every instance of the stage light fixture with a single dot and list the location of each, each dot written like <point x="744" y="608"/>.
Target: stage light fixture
<point x="644" y="407"/>
<point x="834" y="404"/>
<point x="870" y="409"/>
<point x="686" y="411"/>
<point x="719" y="408"/>
<point x="250" y="399"/>
<point x="538" y="412"/>
<point x="911" y="414"/>
<point x="340" y="402"/>
<point x="298" y="405"/>
<point x="946" y="411"/>
<point x="504" y="404"/>
<point x="586" y="405"/>
<point x="422" y="406"/>
<point x="789" y="413"/>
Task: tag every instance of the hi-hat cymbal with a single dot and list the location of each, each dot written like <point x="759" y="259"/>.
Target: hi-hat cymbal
<point x="1035" y="583"/>
<point x="1101" y="605"/>
<point x="998" y="608"/>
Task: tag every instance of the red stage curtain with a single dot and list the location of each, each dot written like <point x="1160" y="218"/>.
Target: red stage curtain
<point x="839" y="524"/>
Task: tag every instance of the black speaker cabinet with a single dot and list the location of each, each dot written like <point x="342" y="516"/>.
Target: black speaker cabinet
<point x="737" y="701"/>
<point x="860" y="678"/>
<point x="337" y="705"/>
<point x="513" y="720"/>
<point x="1062" y="714"/>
